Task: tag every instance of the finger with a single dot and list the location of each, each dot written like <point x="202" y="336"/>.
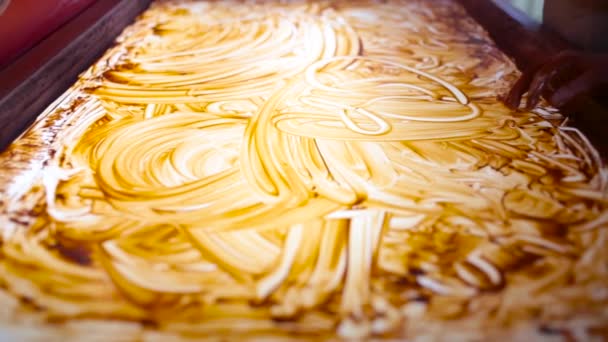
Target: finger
<point x="580" y="85"/>
<point x="513" y="98"/>
<point x="543" y="77"/>
<point x="539" y="86"/>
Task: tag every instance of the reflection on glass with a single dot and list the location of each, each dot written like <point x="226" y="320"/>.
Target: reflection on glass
<point x="534" y="8"/>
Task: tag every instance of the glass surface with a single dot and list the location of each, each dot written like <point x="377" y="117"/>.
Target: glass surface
<point x="303" y="169"/>
<point x="533" y="8"/>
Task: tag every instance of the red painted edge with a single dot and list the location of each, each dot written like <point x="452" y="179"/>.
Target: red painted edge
<point x="23" y="23"/>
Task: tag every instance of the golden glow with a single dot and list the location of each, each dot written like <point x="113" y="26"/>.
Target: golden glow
<point x="317" y="169"/>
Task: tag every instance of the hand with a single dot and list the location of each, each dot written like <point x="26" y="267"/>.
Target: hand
<point x="560" y="79"/>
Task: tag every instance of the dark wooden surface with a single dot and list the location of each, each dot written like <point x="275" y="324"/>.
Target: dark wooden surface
<point x="37" y="78"/>
<point x="529" y="44"/>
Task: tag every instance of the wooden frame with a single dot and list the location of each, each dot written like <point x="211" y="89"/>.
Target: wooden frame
<point x="33" y="81"/>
